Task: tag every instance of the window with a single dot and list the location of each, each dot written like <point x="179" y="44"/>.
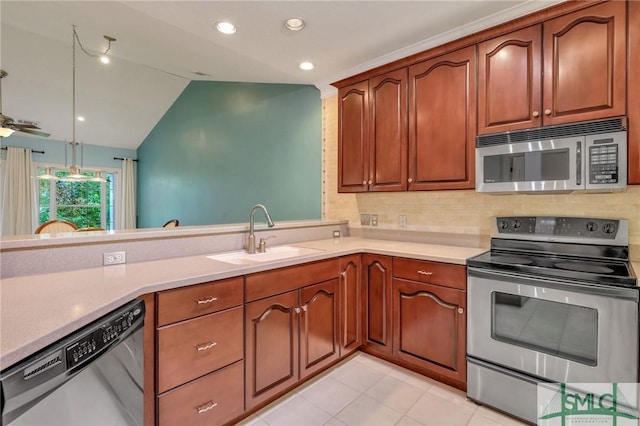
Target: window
<point x="85" y="203"/>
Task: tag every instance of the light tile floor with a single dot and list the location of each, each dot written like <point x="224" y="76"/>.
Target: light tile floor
<point x="364" y="390"/>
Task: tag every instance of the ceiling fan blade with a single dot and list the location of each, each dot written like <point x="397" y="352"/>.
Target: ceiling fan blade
<point x="33" y="132"/>
<point x="24" y="126"/>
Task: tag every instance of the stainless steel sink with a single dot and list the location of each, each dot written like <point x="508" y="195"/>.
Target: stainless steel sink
<point x="241" y="257"/>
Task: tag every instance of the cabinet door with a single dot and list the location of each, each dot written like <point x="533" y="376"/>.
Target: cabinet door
<point x="319" y="318"/>
<point x="442" y="122"/>
<point x="377" y="282"/>
<point x="429" y="327"/>
<point x="584" y="64"/>
<point x="353" y="138"/>
<point x="350" y="304"/>
<point x="510" y="81"/>
<point x="388" y="132"/>
<point x="271" y="346"/>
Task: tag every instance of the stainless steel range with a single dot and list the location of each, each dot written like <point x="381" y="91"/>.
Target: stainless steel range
<point x="554" y="300"/>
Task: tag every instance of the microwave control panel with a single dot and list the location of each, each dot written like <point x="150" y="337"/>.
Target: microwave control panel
<point x="603" y="162"/>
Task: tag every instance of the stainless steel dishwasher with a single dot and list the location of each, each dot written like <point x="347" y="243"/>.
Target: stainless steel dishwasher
<point x="92" y="377"/>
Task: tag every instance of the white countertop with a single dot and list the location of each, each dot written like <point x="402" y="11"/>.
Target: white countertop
<point x="38" y="310"/>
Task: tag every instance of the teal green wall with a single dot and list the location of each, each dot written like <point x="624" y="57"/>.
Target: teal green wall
<point x="95" y="156"/>
<point x="223" y="147"/>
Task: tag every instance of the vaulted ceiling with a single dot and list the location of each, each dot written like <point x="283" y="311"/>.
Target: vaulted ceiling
<point x="162" y="45"/>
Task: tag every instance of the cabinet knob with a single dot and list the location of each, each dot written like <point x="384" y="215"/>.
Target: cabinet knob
<point x="297" y="310"/>
<point x="410" y="180"/>
<point x="206" y="407"/>
<point x="304" y="308"/>
<point x="370" y="182"/>
<point x="207" y="300"/>
<point x="364" y="182"/>
<point x="547" y="112"/>
<point x="460" y="311"/>
<point x="536" y="114"/>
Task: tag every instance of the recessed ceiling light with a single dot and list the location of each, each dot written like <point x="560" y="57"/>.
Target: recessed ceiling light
<point x="306" y="66"/>
<point x="294" y="24"/>
<point x="226" y="27"/>
<point x="80" y="118"/>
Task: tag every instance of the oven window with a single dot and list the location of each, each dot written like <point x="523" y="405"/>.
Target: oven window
<point x="560" y="329"/>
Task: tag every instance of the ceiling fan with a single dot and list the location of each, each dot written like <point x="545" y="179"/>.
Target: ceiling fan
<point x="23" y="126"/>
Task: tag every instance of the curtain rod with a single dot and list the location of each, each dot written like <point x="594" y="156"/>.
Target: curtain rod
<point x="120" y="158"/>
<point x="4" y="148"/>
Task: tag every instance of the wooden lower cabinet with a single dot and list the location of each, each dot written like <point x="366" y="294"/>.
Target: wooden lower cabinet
<point x="213" y="399"/>
<point x="377" y="301"/>
<point x="350" y="297"/>
<point x="429" y="328"/>
<point x="193" y="348"/>
<point x="271" y="336"/>
<point x="289" y="337"/>
<point x="319" y="344"/>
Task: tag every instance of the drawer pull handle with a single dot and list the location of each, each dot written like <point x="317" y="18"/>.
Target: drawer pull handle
<point x="206" y="407"/>
<point x="207" y="300"/>
<point x="206" y="346"/>
<point x="425" y="273"/>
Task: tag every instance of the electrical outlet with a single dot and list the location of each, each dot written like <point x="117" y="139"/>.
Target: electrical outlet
<point x="365" y="219"/>
<point x="114" y="258"/>
<point x="374" y="220"/>
<point x="336" y="234"/>
<point x="403" y="221"/>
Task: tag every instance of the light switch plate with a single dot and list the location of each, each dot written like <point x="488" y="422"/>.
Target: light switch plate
<point x="403" y="221"/>
<point x="374" y="220"/>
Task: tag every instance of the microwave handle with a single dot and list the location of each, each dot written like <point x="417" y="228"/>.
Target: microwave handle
<point x="578" y="163"/>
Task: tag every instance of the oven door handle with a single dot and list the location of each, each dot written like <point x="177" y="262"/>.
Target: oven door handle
<point x="599" y="290"/>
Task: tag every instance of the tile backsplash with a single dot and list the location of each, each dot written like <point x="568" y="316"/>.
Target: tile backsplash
<point x="465" y="211"/>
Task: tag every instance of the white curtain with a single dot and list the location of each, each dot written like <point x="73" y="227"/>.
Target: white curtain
<point x="19" y="194"/>
<point x="128" y="195"/>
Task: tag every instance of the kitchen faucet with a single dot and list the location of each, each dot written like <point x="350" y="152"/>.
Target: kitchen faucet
<point x="251" y="246"/>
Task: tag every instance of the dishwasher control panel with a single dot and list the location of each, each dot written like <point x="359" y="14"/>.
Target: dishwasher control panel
<point x="109" y="331"/>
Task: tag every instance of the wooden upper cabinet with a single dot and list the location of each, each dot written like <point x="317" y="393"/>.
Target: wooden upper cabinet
<point x="388" y="131"/>
<point x="442" y="121"/>
<point x="584" y="64"/>
<point x="509" y="81"/>
<point x="633" y="97"/>
<point x="353" y="138"/>
<point x="570" y="68"/>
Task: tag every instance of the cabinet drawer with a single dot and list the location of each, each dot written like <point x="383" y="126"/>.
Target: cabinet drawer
<point x="444" y="274"/>
<point x="211" y="400"/>
<point x="193" y="348"/>
<point x="265" y="284"/>
<point x="189" y="302"/>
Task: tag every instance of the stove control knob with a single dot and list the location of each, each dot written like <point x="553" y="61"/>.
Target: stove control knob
<point x="592" y="226"/>
<point x="503" y="224"/>
<point x="608" y="228"/>
<point x="516" y="224"/>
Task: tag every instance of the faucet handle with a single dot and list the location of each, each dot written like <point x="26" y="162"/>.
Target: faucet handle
<point x="262" y="246"/>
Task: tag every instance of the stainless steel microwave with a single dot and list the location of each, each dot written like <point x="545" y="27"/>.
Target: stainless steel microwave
<point x="589" y="156"/>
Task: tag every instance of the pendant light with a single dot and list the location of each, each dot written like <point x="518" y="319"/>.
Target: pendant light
<point x="75" y="172"/>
